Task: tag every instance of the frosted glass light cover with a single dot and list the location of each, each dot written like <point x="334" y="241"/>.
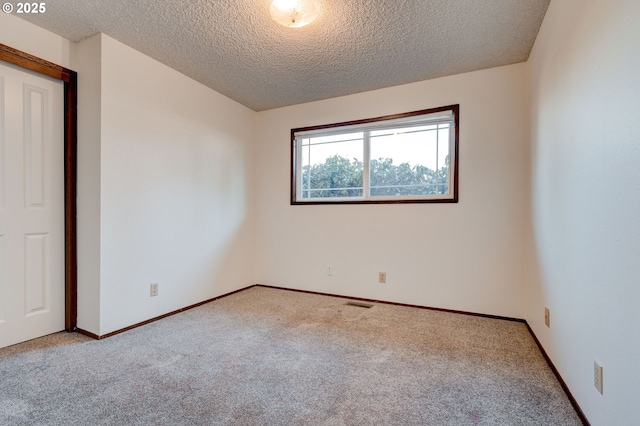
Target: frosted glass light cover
<point x="293" y="13"/>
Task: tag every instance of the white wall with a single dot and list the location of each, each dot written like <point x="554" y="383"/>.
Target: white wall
<point x="175" y="196"/>
<point x="584" y="260"/>
<point x="22" y="35"/>
<point x="87" y="61"/>
<point x="164" y="179"/>
<point x="465" y="256"/>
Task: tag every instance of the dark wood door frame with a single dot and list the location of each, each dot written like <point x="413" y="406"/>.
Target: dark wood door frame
<point x="70" y="80"/>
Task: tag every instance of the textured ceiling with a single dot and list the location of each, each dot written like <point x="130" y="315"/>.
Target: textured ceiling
<point x="235" y="48"/>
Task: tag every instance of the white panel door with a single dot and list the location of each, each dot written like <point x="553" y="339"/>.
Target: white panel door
<point x="32" y="302"/>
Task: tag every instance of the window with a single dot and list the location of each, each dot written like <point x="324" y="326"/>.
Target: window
<point x="408" y="158"/>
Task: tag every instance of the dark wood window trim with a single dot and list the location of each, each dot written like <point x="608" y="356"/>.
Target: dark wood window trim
<point x="454" y="199"/>
<point x="70" y="80"/>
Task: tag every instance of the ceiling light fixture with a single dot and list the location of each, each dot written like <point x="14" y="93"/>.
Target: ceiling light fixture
<point x="293" y="13"/>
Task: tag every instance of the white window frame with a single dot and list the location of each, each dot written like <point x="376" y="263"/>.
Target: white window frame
<point x="448" y="114"/>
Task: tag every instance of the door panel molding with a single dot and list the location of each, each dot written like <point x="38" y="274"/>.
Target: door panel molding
<point x="2" y="147"/>
<point x="35" y="111"/>
<point x="3" y="278"/>
<point x="35" y="286"/>
<point x="70" y="79"/>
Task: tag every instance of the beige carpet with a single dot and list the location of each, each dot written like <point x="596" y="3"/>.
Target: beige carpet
<point x="274" y="357"/>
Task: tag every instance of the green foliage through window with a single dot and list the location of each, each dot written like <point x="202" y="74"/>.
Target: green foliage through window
<point x="341" y="177"/>
<point x="336" y="177"/>
<point x="401" y="158"/>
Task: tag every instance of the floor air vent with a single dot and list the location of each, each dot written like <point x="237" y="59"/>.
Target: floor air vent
<point x="359" y="304"/>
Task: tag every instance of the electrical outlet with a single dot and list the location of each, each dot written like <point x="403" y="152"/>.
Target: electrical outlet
<point x="597" y="376"/>
<point x="330" y="270"/>
<point x="382" y="277"/>
<point x="547" y="320"/>
<point x="153" y="289"/>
